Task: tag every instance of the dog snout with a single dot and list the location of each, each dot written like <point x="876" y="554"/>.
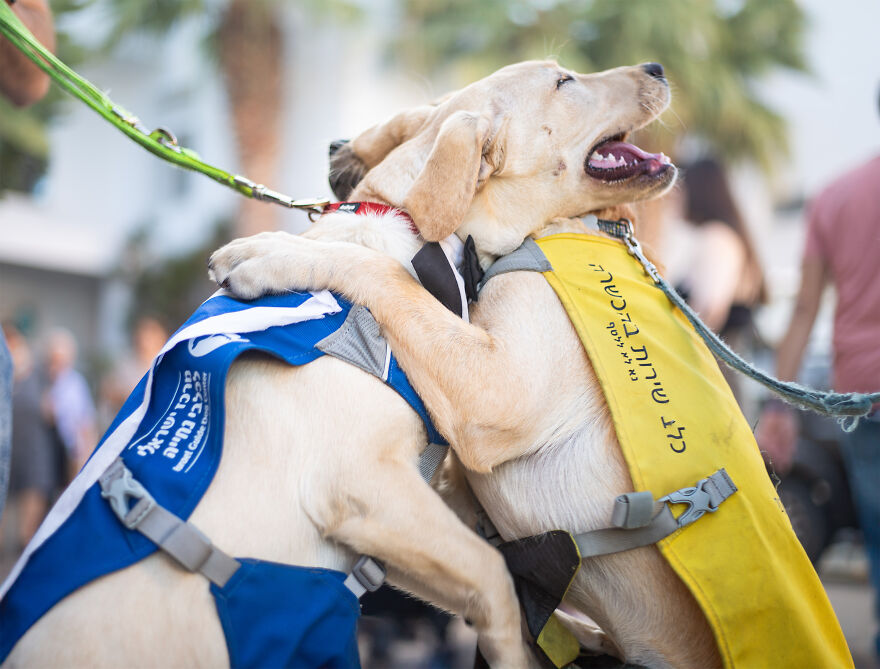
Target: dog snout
<point x="654" y="69"/>
<point x="337" y="144"/>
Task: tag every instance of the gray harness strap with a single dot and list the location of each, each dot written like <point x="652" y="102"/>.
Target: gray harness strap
<point x="194" y="551"/>
<point x="638" y="522"/>
<point x="180" y="539"/>
<point x="528" y="257"/>
<point x="617" y="539"/>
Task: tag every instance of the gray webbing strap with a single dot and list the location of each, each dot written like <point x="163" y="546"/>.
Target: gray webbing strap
<point x="637" y="524"/>
<point x="181" y="540"/>
<point x="430" y="460"/>
<point x="528" y="257"/>
<point x="633" y="509"/>
<point x="617" y="539"/>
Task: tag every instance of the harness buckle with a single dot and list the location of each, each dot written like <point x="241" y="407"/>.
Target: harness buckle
<point x="698" y="499"/>
<point x="369" y="574"/>
<point x="118" y="486"/>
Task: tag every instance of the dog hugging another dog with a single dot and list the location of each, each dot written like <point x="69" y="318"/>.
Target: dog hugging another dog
<point x="321" y="457"/>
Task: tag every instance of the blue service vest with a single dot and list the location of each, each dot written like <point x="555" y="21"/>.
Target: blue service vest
<point x="169" y="433"/>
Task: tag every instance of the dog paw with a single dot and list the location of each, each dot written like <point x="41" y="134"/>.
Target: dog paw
<point x="254" y="266"/>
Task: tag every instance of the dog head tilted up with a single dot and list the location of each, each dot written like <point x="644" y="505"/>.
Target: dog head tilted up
<point x="501" y="157"/>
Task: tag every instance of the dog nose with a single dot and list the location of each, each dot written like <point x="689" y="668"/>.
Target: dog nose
<point x="654" y="69"/>
<point x="338" y="144"/>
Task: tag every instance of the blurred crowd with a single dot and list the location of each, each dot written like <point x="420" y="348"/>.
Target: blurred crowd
<point x="57" y="417"/>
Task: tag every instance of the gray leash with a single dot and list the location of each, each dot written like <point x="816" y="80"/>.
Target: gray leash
<point x="849" y="408"/>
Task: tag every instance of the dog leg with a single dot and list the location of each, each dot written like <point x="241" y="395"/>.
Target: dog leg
<point x="428" y="551"/>
<point x="439" y="351"/>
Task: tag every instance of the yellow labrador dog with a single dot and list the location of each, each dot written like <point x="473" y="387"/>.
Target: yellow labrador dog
<point x="330" y="471"/>
<point x="514" y="391"/>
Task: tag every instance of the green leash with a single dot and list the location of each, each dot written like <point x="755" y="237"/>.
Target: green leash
<point x="160" y="142"/>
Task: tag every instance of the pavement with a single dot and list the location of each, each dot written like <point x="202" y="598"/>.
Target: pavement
<point x="843" y="569"/>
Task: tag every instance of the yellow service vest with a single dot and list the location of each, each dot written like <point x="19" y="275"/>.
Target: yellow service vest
<point x="678" y="422"/>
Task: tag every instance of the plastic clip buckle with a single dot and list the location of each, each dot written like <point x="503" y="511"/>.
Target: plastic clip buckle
<point x="118" y="486"/>
<point x="698" y="500"/>
<point x="369" y="573"/>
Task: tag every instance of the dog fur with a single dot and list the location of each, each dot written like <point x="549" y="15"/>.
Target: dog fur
<point x="329" y="471"/>
<point x="513" y="391"/>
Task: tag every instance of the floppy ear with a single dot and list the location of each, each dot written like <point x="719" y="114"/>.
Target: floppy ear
<point x="372" y="145"/>
<point x="443" y="191"/>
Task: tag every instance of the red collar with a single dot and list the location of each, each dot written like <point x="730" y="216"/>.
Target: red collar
<point x="362" y="208"/>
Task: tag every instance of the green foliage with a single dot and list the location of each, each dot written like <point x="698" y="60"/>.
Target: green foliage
<point x="714" y="53"/>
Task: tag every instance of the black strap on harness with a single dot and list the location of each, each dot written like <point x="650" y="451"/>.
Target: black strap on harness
<point x="437" y="275"/>
<point x="542" y="566"/>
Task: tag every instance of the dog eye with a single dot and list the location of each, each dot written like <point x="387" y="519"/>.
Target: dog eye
<point x="562" y="80"/>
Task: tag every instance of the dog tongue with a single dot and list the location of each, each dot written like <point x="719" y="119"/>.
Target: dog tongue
<point x="612" y="155"/>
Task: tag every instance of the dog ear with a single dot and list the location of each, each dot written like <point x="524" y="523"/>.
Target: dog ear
<point x="443" y="191"/>
<point x="372" y="145"/>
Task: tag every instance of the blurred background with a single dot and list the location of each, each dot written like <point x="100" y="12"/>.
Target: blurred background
<point x="104" y="244"/>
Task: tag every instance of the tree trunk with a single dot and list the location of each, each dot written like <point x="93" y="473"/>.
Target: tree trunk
<point x="251" y="53"/>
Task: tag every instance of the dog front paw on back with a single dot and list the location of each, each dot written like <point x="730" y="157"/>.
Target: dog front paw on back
<point x="244" y="278"/>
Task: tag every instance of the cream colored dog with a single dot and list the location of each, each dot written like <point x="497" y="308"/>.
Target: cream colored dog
<point x="330" y="471"/>
<point x="514" y="392"/>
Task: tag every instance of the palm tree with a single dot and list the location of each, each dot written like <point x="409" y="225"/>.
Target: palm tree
<point x="248" y="42"/>
<point x="250" y="47"/>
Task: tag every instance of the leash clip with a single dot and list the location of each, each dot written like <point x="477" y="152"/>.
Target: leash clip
<point x="118" y="486"/>
<point x="635" y="250"/>
<point x="259" y="192"/>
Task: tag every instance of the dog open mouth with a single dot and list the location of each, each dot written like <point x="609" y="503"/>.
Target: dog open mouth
<point x="616" y="160"/>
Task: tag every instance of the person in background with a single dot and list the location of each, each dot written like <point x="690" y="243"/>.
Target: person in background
<point x="22" y="83"/>
<point x="32" y="477"/>
<point x="69" y="405"/>
<point x="721" y="277"/>
<point x="842" y="247"/>
<point x="148" y="338"/>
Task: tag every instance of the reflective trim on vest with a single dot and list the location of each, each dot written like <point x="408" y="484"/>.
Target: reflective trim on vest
<point x="677" y="421"/>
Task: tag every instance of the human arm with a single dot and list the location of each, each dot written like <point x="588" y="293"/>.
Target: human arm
<point x="21" y="81"/>
<point x="777" y="425"/>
